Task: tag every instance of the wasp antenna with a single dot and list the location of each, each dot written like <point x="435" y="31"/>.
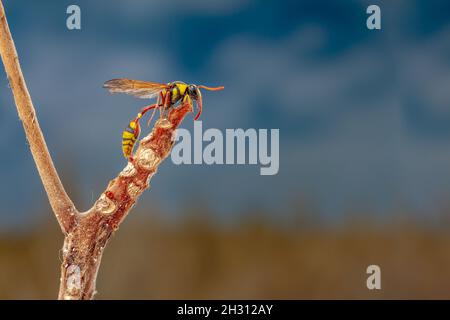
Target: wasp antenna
<point x="211" y="88"/>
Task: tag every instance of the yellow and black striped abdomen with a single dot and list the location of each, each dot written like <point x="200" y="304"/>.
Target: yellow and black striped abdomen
<point x="129" y="137"/>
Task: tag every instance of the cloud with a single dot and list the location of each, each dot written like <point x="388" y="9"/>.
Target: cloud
<point x="424" y="71"/>
<point x="139" y="10"/>
<point x="286" y="71"/>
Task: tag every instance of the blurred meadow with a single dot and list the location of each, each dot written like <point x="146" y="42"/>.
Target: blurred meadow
<point x="364" y="119"/>
<point x="253" y="258"/>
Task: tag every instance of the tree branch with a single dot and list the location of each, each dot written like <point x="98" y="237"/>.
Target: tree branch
<point x="86" y="234"/>
<point x="60" y="202"/>
<point x="83" y="247"/>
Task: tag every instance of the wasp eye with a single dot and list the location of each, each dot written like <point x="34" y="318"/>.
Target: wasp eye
<point x="193" y="91"/>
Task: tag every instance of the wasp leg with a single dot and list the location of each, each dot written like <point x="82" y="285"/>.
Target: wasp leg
<point x="187" y="100"/>
<point x="160" y="100"/>
<point x="145" y="109"/>
<point x="199" y="107"/>
<point x="166" y="103"/>
<point x="151" y="117"/>
<point x="160" y="103"/>
<point x="198" y="113"/>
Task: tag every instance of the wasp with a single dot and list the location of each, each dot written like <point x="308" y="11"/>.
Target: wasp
<point x="168" y="96"/>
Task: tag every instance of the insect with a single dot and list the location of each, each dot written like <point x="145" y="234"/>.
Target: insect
<point x="168" y="95"/>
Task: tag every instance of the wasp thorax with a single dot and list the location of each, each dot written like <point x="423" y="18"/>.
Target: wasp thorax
<point x="163" y="123"/>
<point x="129" y="170"/>
<point x="133" y="190"/>
<point x="148" y="159"/>
<point x="105" y="205"/>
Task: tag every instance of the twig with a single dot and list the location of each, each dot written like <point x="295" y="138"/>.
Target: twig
<point x="86" y="234"/>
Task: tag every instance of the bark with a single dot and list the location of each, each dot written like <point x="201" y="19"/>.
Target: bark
<point x="84" y="245"/>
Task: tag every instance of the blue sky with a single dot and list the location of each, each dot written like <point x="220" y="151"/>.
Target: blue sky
<point x="364" y="116"/>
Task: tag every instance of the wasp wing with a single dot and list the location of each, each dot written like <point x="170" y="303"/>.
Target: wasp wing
<point x="139" y="89"/>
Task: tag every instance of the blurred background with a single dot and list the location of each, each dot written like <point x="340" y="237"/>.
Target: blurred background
<point x="364" y="119"/>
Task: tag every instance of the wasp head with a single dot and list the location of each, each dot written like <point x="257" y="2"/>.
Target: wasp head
<point x="196" y="95"/>
<point x="193" y="91"/>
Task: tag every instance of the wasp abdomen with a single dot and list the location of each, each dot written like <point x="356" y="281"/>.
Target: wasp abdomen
<point x="129" y="137"/>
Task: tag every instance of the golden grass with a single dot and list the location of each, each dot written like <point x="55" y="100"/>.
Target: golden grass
<point x="155" y="259"/>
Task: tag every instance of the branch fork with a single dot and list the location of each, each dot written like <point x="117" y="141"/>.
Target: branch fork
<point x="86" y="233"/>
